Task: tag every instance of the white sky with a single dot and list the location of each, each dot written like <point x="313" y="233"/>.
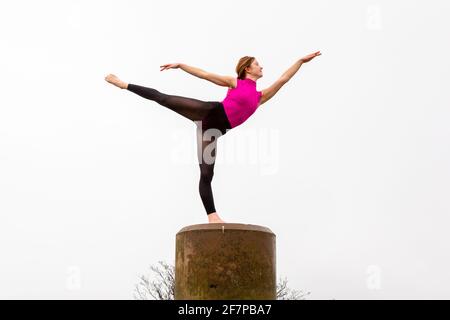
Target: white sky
<point x="348" y="164"/>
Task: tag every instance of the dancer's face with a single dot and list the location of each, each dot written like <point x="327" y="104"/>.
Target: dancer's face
<point x="255" y="69"/>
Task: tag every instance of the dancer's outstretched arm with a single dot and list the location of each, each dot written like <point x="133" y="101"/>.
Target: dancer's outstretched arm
<point x="285" y="77"/>
<point x="225" y="81"/>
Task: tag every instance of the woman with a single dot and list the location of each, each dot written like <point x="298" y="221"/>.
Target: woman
<point x="214" y="118"/>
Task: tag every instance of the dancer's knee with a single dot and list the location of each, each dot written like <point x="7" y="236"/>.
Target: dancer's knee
<point x="206" y="175"/>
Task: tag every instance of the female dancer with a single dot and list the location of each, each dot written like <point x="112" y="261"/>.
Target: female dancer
<point x="214" y="118"/>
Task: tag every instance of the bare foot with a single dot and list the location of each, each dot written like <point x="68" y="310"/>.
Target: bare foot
<point x="112" y="78"/>
<point x="214" y="218"/>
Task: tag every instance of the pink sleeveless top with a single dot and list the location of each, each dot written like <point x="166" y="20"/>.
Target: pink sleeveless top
<point x="241" y="102"/>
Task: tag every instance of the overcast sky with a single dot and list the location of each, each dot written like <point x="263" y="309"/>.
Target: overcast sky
<point x="348" y="164"/>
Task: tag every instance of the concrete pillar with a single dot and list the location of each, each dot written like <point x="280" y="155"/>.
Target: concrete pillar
<point x="225" y="261"/>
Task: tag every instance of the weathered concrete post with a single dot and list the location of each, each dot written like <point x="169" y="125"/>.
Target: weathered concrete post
<point x="225" y="261"/>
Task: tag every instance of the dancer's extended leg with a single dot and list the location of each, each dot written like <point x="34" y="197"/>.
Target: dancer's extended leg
<point x="190" y="108"/>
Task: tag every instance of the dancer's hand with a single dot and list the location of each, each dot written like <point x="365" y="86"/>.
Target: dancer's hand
<point x="311" y="56"/>
<point x="169" y="66"/>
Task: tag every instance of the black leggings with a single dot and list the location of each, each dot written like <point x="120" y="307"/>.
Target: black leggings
<point x="207" y="115"/>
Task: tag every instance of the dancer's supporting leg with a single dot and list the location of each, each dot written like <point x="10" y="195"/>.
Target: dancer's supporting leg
<point x="206" y="153"/>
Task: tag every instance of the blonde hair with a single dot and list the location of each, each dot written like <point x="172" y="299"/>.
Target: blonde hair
<point x="243" y="63"/>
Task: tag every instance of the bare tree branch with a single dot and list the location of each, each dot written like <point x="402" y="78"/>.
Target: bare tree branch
<point x="163" y="287"/>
